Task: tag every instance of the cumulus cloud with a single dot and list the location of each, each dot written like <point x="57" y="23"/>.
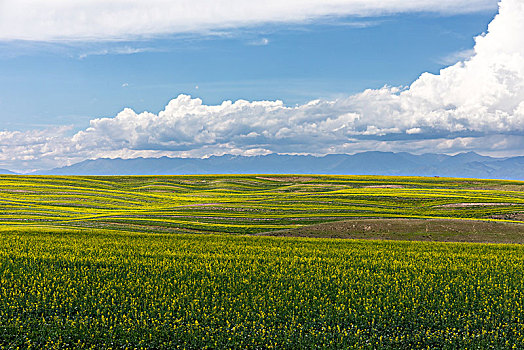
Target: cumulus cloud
<point x="35" y="149"/>
<point x="481" y="96"/>
<point x="476" y="104"/>
<point x="125" y="19"/>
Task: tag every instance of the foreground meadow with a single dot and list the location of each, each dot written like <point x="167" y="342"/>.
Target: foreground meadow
<point x="134" y="290"/>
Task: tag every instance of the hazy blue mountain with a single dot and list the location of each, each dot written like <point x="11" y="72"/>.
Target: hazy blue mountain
<point x="366" y="163"/>
<point x="510" y="168"/>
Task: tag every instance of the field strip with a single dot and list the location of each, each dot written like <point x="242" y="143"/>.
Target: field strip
<point x="250" y="203"/>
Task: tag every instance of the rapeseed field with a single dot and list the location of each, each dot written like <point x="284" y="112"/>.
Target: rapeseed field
<point x="122" y="263"/>
<point x="64" y="289"/>
<point x="247" y="203"/>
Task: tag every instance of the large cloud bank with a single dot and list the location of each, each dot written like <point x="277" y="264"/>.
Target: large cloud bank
<point x="126" y="19"/>
<point x="476" y="104"/>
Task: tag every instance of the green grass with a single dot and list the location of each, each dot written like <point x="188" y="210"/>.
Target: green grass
<point x="121" y="262"/>
<point x="246" y="204"/>
<point x="70" y="289"/>
<point x="439" y="230"/>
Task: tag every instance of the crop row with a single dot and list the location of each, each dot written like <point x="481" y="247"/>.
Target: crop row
<point x="247" y="203"/>
<point x="61" y="289"/>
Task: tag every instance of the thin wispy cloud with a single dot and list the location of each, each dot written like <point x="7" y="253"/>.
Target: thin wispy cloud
<point x="457" y="56"/>
<point x="259" y="42"/>
<point x="125" y="50"/>
<point x="357" y="24"/>
<point x="94" y="20"/>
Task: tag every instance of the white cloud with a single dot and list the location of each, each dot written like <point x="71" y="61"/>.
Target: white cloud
<point x="35" y="149"/>
<point x="125" y="19"/>
<point x="454" y="57"/>
<point x="126" y="50"/>
<point x="260" y="42"/>
<point x="476" y="104"/>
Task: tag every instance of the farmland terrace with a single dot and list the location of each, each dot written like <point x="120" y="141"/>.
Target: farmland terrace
<point x="419" y="208"/>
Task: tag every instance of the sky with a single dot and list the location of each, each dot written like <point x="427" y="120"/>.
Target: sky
<point x="128" y="78"/>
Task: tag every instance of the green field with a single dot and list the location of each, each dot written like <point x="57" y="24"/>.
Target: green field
<point x="247" y="204"/>
<point x="121" y="262"/>
<point x="115" y="290"/>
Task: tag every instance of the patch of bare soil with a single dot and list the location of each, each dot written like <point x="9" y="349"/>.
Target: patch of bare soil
<point x="462" y="205"/>
<point x="441" y="230"/>
<point x="502" y="187"/>
<point x="15" y="191"/>
<point x="384" y="186"/>
<point x="200" y="205"/>
<point x="311" y="187"/>
<point x="287" y="178"/>
<point x="192" y="182"/>
<point x="508" y="216"/>
<point x="145" y="227"/>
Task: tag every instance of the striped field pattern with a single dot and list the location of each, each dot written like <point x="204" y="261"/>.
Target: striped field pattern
<point x="121" y="263"/>
<point x="246" y="203"/>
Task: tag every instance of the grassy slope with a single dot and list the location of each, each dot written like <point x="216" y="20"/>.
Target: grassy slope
<point x="440" y="230"/>
<point x="248" y="204"/>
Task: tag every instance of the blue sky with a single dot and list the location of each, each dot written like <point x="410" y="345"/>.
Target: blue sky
<point x="117" y="78"/>
<point x="71" y="83"/>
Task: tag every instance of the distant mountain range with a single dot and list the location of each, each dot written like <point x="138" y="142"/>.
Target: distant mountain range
<point x="367" y="163"/>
